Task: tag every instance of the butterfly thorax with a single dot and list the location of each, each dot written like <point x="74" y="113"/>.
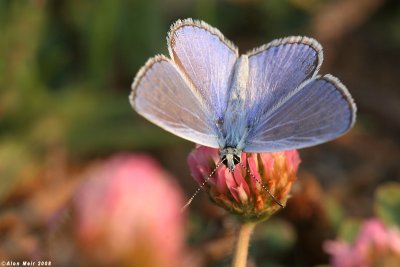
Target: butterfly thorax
<point x="235" y="124"/>
<point x="230" y="157"/>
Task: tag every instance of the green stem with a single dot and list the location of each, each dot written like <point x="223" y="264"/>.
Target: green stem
<point x="242" y="244"/>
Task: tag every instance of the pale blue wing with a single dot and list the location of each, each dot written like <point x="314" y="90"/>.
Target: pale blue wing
<point x="207" y="58"/>
<point x="318" y="111"/>
<point x="278" y="68"/>
<point x="161" y="94"/>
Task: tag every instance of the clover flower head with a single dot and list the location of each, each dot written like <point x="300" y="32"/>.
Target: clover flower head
<point x="375" y="245"/>
<point x="127" y="213"/>
<point x="243" y="191"/>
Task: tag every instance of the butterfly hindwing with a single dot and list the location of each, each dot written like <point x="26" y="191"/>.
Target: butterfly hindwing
<point x="318" y="111"/>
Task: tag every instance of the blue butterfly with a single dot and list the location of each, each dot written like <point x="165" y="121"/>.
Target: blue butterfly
<point x="269" y="99"/>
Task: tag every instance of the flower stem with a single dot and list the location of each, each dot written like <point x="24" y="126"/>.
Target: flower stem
<point x="242" y="244"/>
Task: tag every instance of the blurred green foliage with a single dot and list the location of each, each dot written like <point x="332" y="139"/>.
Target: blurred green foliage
<point x="349" y="229"/>
<point x="272" y="241"/>
<point x="387" y="203"/>
<point x="66" y="69"/>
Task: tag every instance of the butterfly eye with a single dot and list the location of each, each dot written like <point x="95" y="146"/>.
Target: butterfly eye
<point x="236" y="159"/>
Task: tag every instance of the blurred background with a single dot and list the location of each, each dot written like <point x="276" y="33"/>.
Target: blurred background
<point x="65" y="73"/>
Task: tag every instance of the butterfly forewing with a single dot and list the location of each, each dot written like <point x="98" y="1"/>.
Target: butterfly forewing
<point x="161" y="94"/>
<point x="278" y="68"/>
<point x="207" y="58"/>
<point x="316" y="112"/>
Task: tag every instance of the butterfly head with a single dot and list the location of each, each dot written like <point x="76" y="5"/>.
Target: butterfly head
<point x="230" y="157"/>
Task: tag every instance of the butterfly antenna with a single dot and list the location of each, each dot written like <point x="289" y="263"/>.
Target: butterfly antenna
<point x="201" y="186"/>
<point x="263" y="186"/>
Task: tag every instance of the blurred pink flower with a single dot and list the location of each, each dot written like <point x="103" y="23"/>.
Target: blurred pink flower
<point x="128" y="214"/>
<point x="375" y="245"/>
<point x="239" y="192"/>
